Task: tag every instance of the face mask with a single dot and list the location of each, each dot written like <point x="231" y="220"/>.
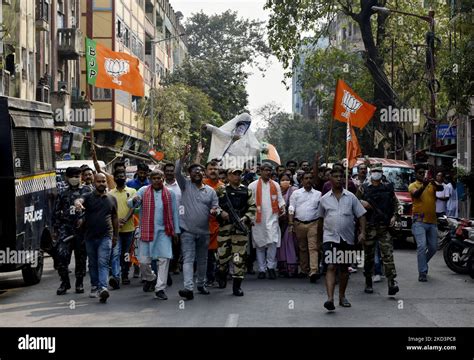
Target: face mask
<point x="74" y="181"/>
<point x="376" y="176"/>
<point x="285" y="184"/>
<point x="120" y="182"/>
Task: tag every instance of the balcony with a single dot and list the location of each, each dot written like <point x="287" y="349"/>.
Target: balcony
<point x="70" y="43"/>
<point x="42" y="16"/>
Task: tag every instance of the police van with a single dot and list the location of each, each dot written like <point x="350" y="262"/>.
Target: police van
<point x="28" y="183"/>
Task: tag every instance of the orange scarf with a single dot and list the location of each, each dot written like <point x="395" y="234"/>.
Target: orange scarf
<point x="273" y="197"/>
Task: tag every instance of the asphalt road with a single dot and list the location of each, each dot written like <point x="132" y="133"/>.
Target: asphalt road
<point x="447" y="300"/>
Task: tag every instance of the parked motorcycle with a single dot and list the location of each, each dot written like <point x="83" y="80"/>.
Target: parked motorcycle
<point x="456" y="238"/>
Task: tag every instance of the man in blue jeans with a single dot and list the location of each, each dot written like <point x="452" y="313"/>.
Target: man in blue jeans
<point x="424" y="228"/>
<point x="120" y="264"/>
<point x="198" y="202"/>
<point x="101" y="231"/>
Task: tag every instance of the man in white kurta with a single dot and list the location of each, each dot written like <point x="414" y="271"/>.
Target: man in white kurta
<point x="266" y="234"/>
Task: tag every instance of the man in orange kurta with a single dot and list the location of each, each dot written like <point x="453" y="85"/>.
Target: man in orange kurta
<point x="212" y="179"/>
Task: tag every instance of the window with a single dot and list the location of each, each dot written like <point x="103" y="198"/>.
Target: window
<point x="32" y="151"/>
<point x="119" y="29"/>
<point x="123" y="98"/>
<point x="24" y="62"/>
<point x="42" y="10"/>
<point x="102" y="94"/>
<point x="60" y="14"/>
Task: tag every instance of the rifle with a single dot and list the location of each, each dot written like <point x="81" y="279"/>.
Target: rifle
<point x="235" y="217"/>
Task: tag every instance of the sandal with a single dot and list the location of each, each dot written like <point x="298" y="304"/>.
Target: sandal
<point x="344" y="302"/>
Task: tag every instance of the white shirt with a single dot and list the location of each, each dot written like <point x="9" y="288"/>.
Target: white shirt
<point x="267" y="231"/>
<point x="305" y="204"/>
<point x="177" y="191"/>
<point x="339" y="216"/>
<point x="440" y="204"/>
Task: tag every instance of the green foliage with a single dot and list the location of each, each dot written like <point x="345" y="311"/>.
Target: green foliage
<point x="295" y="137"/>
<point x="226" y="38"/>
<point x="179" y="112"/>
<point x="221" y="49"/>
<point x="224" y="86"/>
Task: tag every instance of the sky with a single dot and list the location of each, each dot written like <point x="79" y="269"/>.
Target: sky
<point x="261" y="90"/>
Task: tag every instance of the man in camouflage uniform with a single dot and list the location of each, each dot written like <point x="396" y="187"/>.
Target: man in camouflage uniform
<point x="381" y="204"/>
<point x="67" y="233"/>
<point x="238" y="211"/>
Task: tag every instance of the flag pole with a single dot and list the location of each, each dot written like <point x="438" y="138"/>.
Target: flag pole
<point x="329" y="141"/>
<point x="348" y="134"/>
<point x="89" y="100"/>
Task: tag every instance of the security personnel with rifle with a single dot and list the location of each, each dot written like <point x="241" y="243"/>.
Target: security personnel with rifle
<point x="381" y="203"/>
<point x="236" y="215"/>
<point x="67" y="234"/>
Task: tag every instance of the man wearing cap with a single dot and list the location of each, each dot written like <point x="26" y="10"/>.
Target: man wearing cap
<point x="212" y="180"/>
<point x="266" y="231"/>
<point x="238" y="211"/>
<point x="381" y="203"/>
<point x="66" y="232"/>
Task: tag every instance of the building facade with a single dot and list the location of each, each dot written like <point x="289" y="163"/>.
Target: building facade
<point x="149" y="30"/>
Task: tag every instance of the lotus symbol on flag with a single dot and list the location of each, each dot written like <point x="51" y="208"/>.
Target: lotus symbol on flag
<point x="350" y="103"/>
<point x="116" y="68"/>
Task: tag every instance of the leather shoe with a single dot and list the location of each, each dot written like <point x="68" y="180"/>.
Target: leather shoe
<point x="261" y="275"/>
<point x="272" y="274"/>
<point x="188" y="294"/>
<point x="202" y="290"/>
<point x="329" y="305"/>
<point x="313" y="278"/>
<point x="392" y="287"/>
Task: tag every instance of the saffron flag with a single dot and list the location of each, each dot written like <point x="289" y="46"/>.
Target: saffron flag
<point x="353" y="149"/>
<point x="348" y="104"/>
<point x="112" y="70"/>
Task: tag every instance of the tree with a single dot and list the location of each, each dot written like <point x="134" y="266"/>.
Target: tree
<point x="179" y="112"/>
<point x="318" y="79"/>
<point x="221" y="49"/>
<point x="294" y="137"/>
<point x="399" y="38"/>
<point x="226" y="38"/>
<point x="224" y="86"/>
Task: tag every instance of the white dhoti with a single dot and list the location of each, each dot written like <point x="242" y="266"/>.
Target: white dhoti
<point x="266" y="234"/>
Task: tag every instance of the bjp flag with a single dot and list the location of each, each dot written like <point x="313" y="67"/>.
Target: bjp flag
<point x="112" y="70"/>
<point x="353" y="149"/>
<point x="348" y="104"/>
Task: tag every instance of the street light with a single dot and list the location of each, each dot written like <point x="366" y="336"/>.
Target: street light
<point x="153" y="73"/>
<point x="430" y="63"/>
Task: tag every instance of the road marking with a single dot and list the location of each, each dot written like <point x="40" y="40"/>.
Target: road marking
<point x="232" y="320"/>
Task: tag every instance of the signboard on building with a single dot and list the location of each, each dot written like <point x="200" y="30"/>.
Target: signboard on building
<point x="445" y="131"/>
<point x="58" y="139"/>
